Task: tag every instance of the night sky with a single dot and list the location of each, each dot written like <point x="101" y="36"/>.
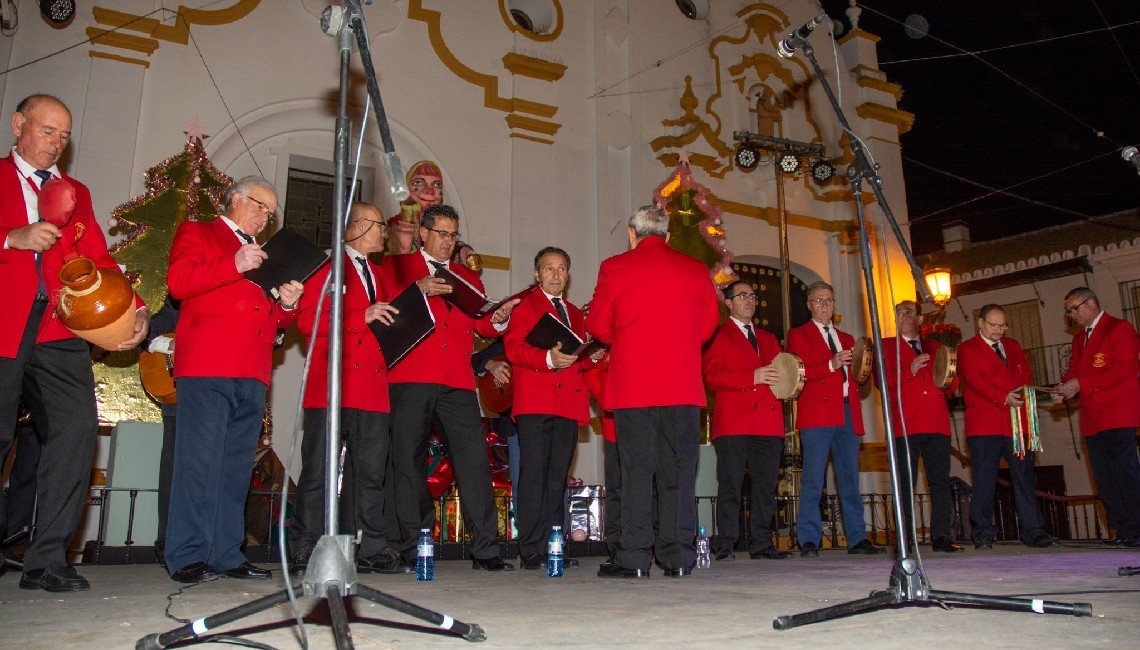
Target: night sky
<point x="1034" y="113"/>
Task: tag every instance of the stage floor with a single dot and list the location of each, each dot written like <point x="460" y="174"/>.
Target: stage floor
<point x="730" y="605"/>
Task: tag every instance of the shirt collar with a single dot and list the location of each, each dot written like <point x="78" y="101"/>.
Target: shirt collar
<point x="1096" y="320"/>
<point x="429" y="259"/>
<point x="819" y="326"/>
<point x="551" y="297"/>
<point x="353" y="253"/>
<point x="27" y="170"/>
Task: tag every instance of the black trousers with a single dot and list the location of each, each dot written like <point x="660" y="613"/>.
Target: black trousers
<point x="986" y="453"/>
<point x="761" y="456"/>
<point x="658" y="445"/>
<point x="365" y="434"/>
<point x="612" y="469"/>
<point x="934" y="450"/>
<point x="414" y="407"/>
<point x="166" y="468"/>
<point x="1116" y="471"/>
<point x="546" y="449"/>
<point x="57" y="385"/>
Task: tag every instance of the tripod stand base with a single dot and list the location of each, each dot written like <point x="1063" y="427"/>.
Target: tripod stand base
<point x="909" y="588"/>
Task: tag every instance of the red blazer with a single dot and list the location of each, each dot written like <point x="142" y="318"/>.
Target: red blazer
<point x="923" y="404"/>
<point x="18" y="267"/>
<point x="986" y="381"/>
<point x="728" y="365"/>
<point x="1106" y="366"/>
<point x="444" y="356"/>
<point x="595" y="379"/>
<point x="539" y="390"/>
<point x="227" y="324"/>
<point x="821" y="402"/>
<point x="364" y="374"/>
<point x="654" y="307"/>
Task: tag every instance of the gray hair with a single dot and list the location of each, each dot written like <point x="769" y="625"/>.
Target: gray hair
<point x="243" y="186"/>
<point x="649" y="220"/>
<point x="1084" y="293"/>
<point x="819" y="285"/>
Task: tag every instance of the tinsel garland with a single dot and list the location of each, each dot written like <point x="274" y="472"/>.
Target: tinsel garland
<point x="711" y="227"/>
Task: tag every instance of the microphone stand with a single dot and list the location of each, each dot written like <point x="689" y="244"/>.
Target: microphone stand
<point x="907" y="586"/>
<point x="331" y="571"/>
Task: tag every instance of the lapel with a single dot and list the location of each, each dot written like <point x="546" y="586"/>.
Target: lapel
<point x="741" y="340"/>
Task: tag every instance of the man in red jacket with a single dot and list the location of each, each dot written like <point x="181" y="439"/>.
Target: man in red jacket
<point x="363" y="401"/>
<point x="40" y="359"/>
<point x="993" y="369"/>
<point x="1103" y="372"/>
<point x="654" y="307"/>
<point x="550" y="402"/>
<point x="435" y="381"/>
<point x="225" y="333"/>
<point x="921" y="421"/>
<point x="747" y="424"/>
<point x="830" y="419"/>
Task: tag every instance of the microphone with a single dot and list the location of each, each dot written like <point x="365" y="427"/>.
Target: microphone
<point x="1129" y="154"/>
<point x="787" y="47"/>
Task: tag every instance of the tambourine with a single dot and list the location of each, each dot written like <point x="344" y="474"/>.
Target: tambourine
<point x="792" y="376"/>
<point x="945" y="367"/>
<point x="862" y="357"/>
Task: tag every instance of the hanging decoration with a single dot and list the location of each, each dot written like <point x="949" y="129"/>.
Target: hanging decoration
<point x="695" y="225"/>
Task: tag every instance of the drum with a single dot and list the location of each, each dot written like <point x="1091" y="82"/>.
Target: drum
<point x="861" y="358"/>
<point x="792" y="376"/>
<point x="945" y="367"/>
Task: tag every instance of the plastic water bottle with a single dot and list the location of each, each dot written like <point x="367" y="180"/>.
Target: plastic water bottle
<point x="555" y="563"/>
<point x="425" y="557"/>
<point x="704" y="556"/>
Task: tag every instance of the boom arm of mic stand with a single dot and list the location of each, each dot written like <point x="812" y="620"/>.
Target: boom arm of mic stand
<point x="392" y="166"/>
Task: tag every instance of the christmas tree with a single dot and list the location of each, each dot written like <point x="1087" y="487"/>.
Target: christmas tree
<point x="184" y="186"/>
<point x="695" y="225"/>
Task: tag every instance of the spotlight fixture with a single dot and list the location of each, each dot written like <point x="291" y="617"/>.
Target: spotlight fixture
<point x="788" y="162"/>
<point x="747" y="156"/>
<point x="822" y="171"/>
<point x="57" y="11"/>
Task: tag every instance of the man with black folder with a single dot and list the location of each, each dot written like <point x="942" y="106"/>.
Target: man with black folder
<point x="434" y="381"/>
<point x="551" y="401"/>
<point x="225" y="334"/>
<point x="364" y="405"/>
<point x="654" y="307"/>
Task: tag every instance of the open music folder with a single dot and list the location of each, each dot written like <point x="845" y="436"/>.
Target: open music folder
<point x="290" y="257"/>
<point x="412" y="325"/>
<point x="470" y="300"/>
<point x="549" y="331"/>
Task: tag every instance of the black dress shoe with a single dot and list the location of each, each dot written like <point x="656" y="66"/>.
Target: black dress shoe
<point x="55" y="579"/>
<point x="491" y="564"/>
<point x="771" y="553"/>
<point x="532" y="562"/>
<point x="1128" y="542"/>
<point x="246" y="571"/>
<point x="387" y="562"/>
<point x="983" y="544"/>
<point x="299" y="562"/>
<point x="194" y="573"/>
<point x="865" y="547"/>
<point x="1115" y="541"/>
<point x="944" y="545"/>
<point x="724" y="555"/>
<point x="678" y="573"/>
<point x="615" y="570"/>
<point x="1044" y="541"/>
<point x="809" y="550"/>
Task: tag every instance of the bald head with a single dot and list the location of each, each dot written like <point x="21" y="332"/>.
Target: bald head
<point x="365" y="229"/>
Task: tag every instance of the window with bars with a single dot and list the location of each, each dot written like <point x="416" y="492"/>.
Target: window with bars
<point x="1130" y="301"/>
<point x="309" y="205"/>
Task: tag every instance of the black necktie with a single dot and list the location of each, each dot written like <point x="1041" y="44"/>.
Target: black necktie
<point x="914" y="346"/>
<point x="368" y="282"/>
<point x="245" y="237"/>
<point x="1088" y="333"/>
<point x="997" y="348"/>
<point x="834" y="350"/>
<point x="437" y="266"/>
<point x="41" y="290"/>
<point x="752" y="337"/>
<point x="561" y="311"/>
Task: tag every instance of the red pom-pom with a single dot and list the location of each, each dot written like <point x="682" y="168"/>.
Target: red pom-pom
<point x="57" y="202"/>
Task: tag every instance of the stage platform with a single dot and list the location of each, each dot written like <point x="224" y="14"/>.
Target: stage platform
<point x="730" y="605"/>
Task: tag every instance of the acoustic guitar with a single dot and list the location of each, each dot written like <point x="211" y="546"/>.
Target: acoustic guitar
<point x="494" y="397"/>
<point x="157" y="373"/>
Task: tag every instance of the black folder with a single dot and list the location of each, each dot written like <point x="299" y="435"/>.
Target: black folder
<point x="549" y="331"/>
<point x="290" y="257"/>
<point x="465" y="297"/>
<point x="412" y="325"/>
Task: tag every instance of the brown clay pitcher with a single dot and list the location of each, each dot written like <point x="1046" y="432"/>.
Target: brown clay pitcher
<point x="97" y="304"/>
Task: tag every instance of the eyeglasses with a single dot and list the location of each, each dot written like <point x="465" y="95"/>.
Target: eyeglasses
<point x="822" y="301"/>
<point x="263" y="208"/>
<point x="446" y="234"/>
<point x="1003" y="327"/>
<point x="1075" y="308"/>
<point x="747" y="297"/>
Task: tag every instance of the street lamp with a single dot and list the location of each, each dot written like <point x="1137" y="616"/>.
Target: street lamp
<point x="938" y="281"/>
